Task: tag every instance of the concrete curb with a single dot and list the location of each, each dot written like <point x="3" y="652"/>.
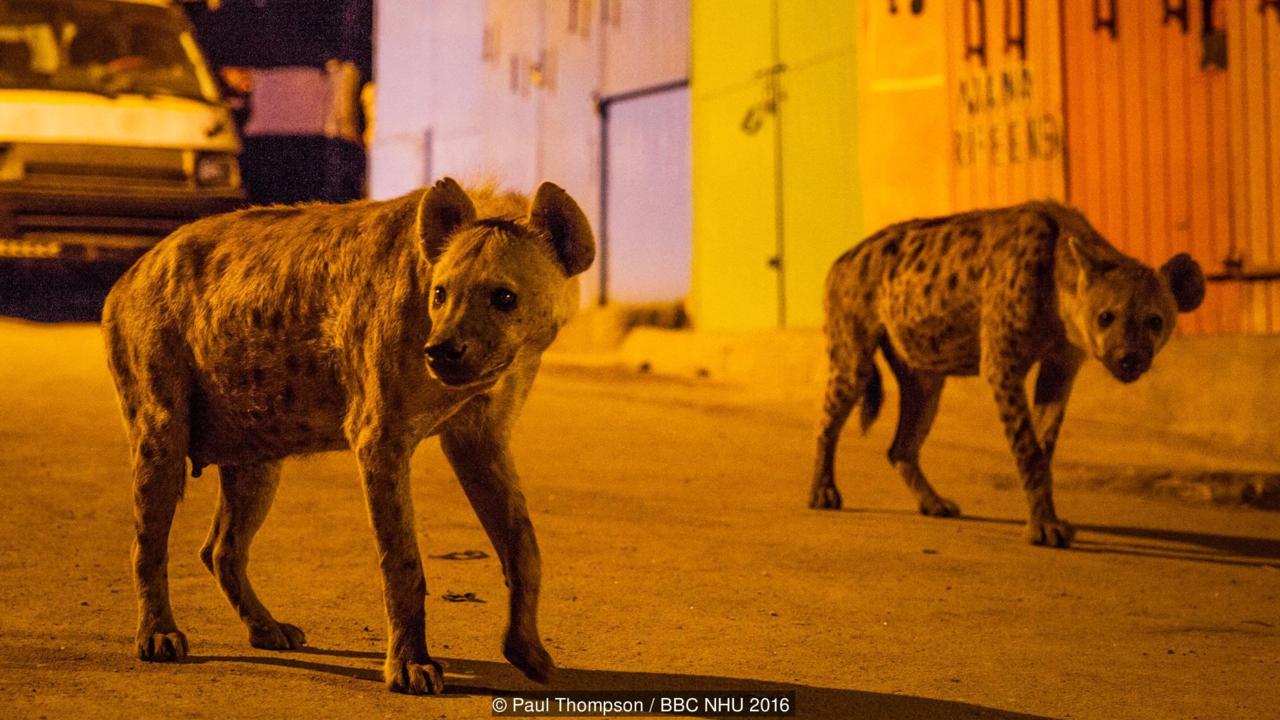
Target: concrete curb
<point x="1222" y="391"/>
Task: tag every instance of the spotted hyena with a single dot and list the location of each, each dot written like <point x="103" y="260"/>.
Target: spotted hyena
<point x="247" y="338"/>
<point x="992" y="292"/>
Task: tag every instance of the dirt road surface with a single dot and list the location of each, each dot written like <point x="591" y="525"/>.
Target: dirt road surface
<point x="678" y="554"/>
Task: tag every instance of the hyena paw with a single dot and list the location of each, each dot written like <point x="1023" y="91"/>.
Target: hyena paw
<point x="938" y="506"/>
<point x="1053" y="533"/>
<point x="412" y="678"/>
<point x="160" y="646"/>
<point x="825" y="497"/>
<point x="530" y="658"/>
<point x="272" y="635"/>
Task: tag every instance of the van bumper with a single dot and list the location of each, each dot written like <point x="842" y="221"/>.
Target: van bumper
<point x="38" y="225"/>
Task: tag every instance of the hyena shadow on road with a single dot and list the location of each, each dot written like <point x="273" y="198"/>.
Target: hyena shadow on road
<point x="1198" y="486"/>
<point x="480" y="677"/>
<point x="1238" y="550"/>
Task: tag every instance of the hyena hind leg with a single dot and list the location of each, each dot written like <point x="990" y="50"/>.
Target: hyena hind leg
<point x="159" y="470"/>
<point x="243" y="502"/>
<point x="157" y="418"/>
<point x="918" y="398"/>
<point x="845" y="388"/>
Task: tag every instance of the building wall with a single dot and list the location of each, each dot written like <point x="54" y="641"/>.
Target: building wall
<point x="902" y="88"/>
<point x="811" y="124"/>
<point x="505" y="91"/>
<point x="881" y="116"/>
<point x="428" y="60"/>
<point x="959" y="104"/>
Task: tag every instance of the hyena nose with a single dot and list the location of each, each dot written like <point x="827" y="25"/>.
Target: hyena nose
<point x="448" y="351"/>
<point x="1133" y="362"/>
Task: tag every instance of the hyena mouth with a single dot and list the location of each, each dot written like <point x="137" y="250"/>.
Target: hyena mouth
<point x="1130" y="366"/>
<point x="459" y="377"/>
<point x="1127" y="374"/>
<point x="1127" y="377"/>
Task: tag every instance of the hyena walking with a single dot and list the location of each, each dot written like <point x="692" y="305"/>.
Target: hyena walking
<point x="992" y="292"/>
<point x="246" y="338"/>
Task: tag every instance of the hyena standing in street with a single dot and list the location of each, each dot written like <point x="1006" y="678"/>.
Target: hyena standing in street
<point x="247" y="338"/>
<point x="992" y="292"/>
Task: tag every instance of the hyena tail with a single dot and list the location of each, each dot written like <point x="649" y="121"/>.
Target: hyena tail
<point x="872" y="399"/>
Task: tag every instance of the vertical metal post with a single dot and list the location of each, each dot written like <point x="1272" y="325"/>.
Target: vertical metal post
<point x="602" y="232"/>
<point x="779" y="218"/>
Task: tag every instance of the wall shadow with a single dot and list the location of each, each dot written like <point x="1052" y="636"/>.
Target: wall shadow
<point x="481" y="677"/>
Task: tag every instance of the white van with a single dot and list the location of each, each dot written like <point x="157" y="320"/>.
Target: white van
<point x="112" y="132"/>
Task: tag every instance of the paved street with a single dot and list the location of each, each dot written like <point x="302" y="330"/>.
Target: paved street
<point x="678" y="554"/>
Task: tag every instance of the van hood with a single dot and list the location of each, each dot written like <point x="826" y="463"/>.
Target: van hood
<point x="160" y="121"/>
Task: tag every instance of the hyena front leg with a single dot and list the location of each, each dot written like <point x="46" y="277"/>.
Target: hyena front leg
<point x="476" y="445"/>
<point x="1054" y="379"/>
<point x="919" y="393"/>
<point x="383" y="456"/>
<point x="1007" y="378"/>
<point x="243" y="502"/>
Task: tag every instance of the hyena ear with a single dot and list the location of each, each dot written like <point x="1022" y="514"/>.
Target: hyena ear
<point x="556" y="214"/>
<point x="1185" y="280"/>
<point x="1091" y="262"/>
<point x="444" y="208"/>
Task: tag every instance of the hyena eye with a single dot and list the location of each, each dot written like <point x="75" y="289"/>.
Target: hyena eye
<point x="438" y="297"/>
<point x="1156" y="323"/>
<point x="503" y="299"/>
<point x="1105" y="318"/>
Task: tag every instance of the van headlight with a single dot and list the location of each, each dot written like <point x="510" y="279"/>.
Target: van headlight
<point x="217" y="170"/>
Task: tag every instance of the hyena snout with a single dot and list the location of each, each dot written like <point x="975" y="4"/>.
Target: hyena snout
<point x="449" y="351"/>
<point x="450" y="361"/>
<point x="1130" y="364"/>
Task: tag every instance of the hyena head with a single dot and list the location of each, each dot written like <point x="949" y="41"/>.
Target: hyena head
<point x="1126" y="310"/>
<point x="499" y="285"/>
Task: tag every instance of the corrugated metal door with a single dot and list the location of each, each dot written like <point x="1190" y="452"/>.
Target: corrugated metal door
<point x="1253" y="92"/>
<point x="1174" y="137"/>
<point x="649" y="223"/>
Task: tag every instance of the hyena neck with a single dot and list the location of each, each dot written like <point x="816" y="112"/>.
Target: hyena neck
<point x="1067" y="292"/>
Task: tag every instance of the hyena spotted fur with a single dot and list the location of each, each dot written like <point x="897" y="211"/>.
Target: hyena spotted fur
<point x="247" y="338"/>
<point x="991" y="292"/>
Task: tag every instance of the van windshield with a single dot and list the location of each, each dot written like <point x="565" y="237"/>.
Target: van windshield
<point x="106" y="47"/>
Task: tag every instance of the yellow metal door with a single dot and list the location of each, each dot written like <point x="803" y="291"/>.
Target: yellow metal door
<point x="820" y="188"/>
<point x="734" y="284"/>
